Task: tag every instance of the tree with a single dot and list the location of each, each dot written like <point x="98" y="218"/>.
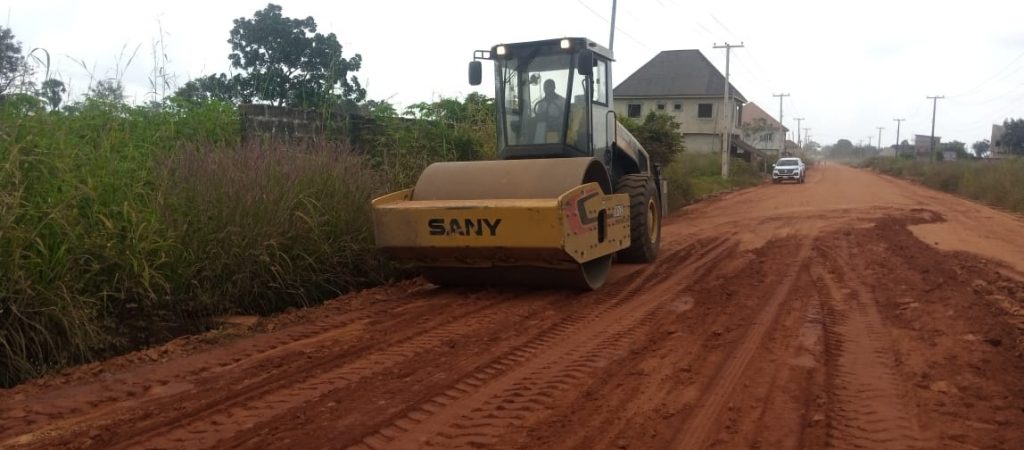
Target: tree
<point x="11" y="62"/>
<point x="981" y="147"/>
<point x="659" y="134"/>
<point x="53" y="90"/>
<point x="1013" y="138"/>
<point x="110" y="90"/>
<point x="287" y="62"/>
<point x="843" y="146"/>
<point x="209" y="88"/>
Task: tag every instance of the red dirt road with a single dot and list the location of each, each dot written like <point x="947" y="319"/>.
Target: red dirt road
<point x="840" y="313"/>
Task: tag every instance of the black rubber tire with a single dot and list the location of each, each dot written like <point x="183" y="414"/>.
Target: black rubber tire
<point x="643" y="197"/>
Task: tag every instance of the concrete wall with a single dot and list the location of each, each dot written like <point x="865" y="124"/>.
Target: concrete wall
<point x="765" y="140"/>
<point x="922" y="144"/>
<point x="278" y="122"/>
<point x="703" y="143"/>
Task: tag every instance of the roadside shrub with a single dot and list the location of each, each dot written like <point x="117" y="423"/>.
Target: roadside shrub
<point x="695" y="175"/>
<point x="445" y="130"/>
<point x="79" y="239"/>
<point x="995" y="182"/>
<point x="125" y="226"/>
<point x="265" y="227"/>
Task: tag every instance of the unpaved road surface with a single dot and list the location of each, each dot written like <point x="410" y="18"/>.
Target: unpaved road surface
<point x="853" y="311"/>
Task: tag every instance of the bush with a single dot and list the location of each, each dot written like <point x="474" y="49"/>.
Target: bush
<point x="996" y="182"/>
<point x="264" y="227"/>
<point x="124" y="226"/>
<point x="692" y="176"/>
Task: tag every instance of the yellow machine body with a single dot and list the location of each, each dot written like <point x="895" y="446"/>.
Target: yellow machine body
<point x="547" y="222"/>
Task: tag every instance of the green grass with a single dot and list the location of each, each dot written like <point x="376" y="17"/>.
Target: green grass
<point x="694" y="176"/>
<point x="125" y="226"/>
<point x="995" y="182"/>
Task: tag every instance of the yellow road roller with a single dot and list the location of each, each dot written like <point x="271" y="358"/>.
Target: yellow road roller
<point x="571" y="191"/>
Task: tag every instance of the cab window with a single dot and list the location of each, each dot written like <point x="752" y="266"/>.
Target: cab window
<point x="601" y="82"/>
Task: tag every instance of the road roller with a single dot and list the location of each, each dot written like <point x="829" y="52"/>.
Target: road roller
<point x="571" y="189"/>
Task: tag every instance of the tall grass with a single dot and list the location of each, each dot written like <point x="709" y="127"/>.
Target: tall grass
<point x="692" y="176"/>
<point x="266" y="227"/>
<point x="996" y="182"/>
<point x="123" y="226"/>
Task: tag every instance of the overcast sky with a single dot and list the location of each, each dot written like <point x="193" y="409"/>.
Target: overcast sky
<point x="849" y="66"/>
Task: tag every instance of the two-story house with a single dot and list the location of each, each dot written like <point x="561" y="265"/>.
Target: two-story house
<point x="760" y="129"/>
<point x="685" y="85"/>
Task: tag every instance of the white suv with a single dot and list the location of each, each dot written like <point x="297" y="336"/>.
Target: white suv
<point x="788" y="169"/>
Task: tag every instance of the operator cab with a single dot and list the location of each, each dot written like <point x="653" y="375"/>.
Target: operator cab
<point x="553" y="98"/>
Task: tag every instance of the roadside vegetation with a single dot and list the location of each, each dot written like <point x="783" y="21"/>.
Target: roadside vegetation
<point x="123" y="226"/>
<point x="694" y="176"/>
<point x="992" y="181"/>
<point x="690" y="176"/>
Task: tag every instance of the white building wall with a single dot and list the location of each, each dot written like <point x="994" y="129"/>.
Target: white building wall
<point x="686" y="117"/>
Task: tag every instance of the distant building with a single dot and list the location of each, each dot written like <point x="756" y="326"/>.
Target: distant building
<point x="760" y="129"/>
<point x="685" y="85"/>
<point x="791" y="148"/>
<point x="922" y="144"/>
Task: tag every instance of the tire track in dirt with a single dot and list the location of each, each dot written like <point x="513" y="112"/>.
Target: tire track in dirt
<point x="204" y="429"/>
<point x="706" y="415"/>
<point x="525" y="381"/>
<point x="866" y="408"/>
<point x="796" y="382"/>
<point x="142" y="407"/>
<point x="159" y="385"/>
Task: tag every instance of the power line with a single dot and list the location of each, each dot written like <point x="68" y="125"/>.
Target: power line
<point x="992" y="77"/>
<point x="602" y="17"/>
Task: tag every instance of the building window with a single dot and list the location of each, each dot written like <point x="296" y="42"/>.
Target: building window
<point x="633" y="110"/>
<point x="677" y="106"/>
<point x="661" y="106"/>
<point x="704" y="111"/>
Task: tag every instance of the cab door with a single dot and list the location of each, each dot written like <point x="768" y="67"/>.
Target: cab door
<point x="602" y="117"/>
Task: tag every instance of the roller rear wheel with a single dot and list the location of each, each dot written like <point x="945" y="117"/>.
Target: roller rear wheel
<point x="644" y="218"/>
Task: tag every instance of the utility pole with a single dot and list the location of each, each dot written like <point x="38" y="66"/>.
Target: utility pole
<point x="799" y="142"/>
<point x="782" y="142"/>
<point x="898" y="130"/>
<point x="931" y="143"/>
<point x="611" y="36"/>
<point x="880" y="139"/>
<point x="727" y="110"/>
